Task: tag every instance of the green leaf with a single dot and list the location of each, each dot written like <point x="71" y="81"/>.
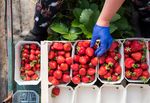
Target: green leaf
<point x="85" y="16"/>
<point x="77" y="12"/>
<point x="75" y="23"/>
<point x="113" y="28"/>
<point x="75" y="31"/>
<point x="70" y="37"/>
<point x="59" y="28"/>
<point x="115" y="18"/>
<point x="84" y="4"/>
<point x="94" y="7"/>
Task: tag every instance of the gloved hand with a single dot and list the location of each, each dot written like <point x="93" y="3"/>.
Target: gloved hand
<point x="102" y="33"/>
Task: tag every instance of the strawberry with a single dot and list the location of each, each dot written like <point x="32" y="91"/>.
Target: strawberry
<point x="134" y="77"/>
<point x="82" y="60"/>
<point x="144" y="66"/>
<point x="136" y="46"/>
<point x="50" y="72"/>
<point x="89" y="52"/>
<point x="69" y="60"/>
<point x="57" y="74"/>
<point x="84" y="66"/>
<point x="67" y="47"/>
<point x="127" y="43"/>
<point x="37" y="52"/>
<point x="114" y="46"/>
<point x="76" y="58"/>
<point x="127" y="50"/>
<point x="118" y="56"/>
<point x="136" y="56"/>
<point x="102" y="70"/>
<point x="52" y="65"/>
<point x="32" y="57"/>
<point x="80" y="50"/>
<point x="118" y="69"/>
<point x="102" y="59"/>
<point x="110" y="61"/>
<point x="129" y="62"/>
<point x="29" y="72"/>
<point x="55" y="91"/>
<point x="114" y="78"/>
<point x="61" y="53"/>
<point x="82" y="71"/>
<point x="94" y="61"/>
<point x="66" y="78"/>
<point x="54" y="81"/>
<point x="50" y="78"/>
<point x="85" y="79"/>
<point x="27" y="67"/>
<point x="26" y="46"/>
<point x="75" y="67"/>
<point x="67" y="54"/>
<point x="145" y="75"/>
<point x="76" y="80"/>
<point x="26" y="78"/>
<point x="25" y="55"/>
<point x="25" y="51"/>
<point x="32" y="51"/>
<point x="112" y="54"/>
<point x="91" y="71"/>
<point x="60" y="59"/>
<point x="64" y="66"/>
<point x="80" y="44"/>
<point x="92" y="78"/>
<point x="58" y="46"/>
<point x="33" y="46"/>
<point x="107" y="76"/>
<point x="35" y="77"/>
<point x="75" y="73"/>
<point x="86" y="44"/>
<point x="137" y="72"/>
<point x="128" y="74"/>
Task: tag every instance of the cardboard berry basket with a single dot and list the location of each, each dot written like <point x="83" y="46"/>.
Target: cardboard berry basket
<point x="121" y="61"/>
<point x="86" y="94"/>
<point x="18" y="78"/>
<point x="65" y="95"/>
<point x="147" y="60"/>
<point x="111" y="94"/>
<point x="137" y="93"/>
<point x="47" y="49"/>
<point x="74" y="53"/>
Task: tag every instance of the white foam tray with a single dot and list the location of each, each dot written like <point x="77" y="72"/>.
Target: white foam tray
<point x="18" y="64"/>
<point x="86" y="94"/>
<point x="138" y="93"/>
<point x="65" y="96"/>
<point x="111" y="94"/>
<point x="147" y="59"/>
<point x="121" y="64"/>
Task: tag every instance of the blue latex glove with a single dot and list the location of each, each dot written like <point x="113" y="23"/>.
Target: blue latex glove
<point x="102" y="33"/>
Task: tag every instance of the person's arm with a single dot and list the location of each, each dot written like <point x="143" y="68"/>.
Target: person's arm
<point x="101" y="29"/>
<point x="109" y="10"/>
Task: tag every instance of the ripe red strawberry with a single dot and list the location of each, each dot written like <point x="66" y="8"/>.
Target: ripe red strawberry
<point x="35" y="77"/>
<point x="75" y="73"/>
<point x="144" y="66"/>
<point x="50" y="72"/>
<point x="102" y="59"/>
<point x="80" y="50"/>
<point x="66" y="78"/>
<point x="32" y="57"/>
<point x="86" y="44"/>
<point x="55" y="91"/>
<point x="118" y="56"/>
<point x="25" y="55"/>
<point x="85" y="79"/>
<point x="54" y="81"/>
<point x="33" y="46"/>
<point x="112" y="54"/>
<point x="32" y="51"/>
<point x="25" y="51"/>
<point x="52" y="65"/>
<point x="137" y="72"/>
<point x="89" y="52"/>
<point x="110" y="61"/>
<point x="129" y="62"/>
<point x="75" y="67"/>
<point x="82" y="71"/>
<point x="102" y="70"/>
<point x="136" y="56"/>
<point x="61" y="53"/>
<point x="83" y="60"/>
<point x="136" y="46"/>
<point x="145" y="75"/>
<point x="127" y="43"/>
<point x="64" y="67"/>
<point x="26" y="46"/>
<point x="80" y="44"/>
<point x="94" y="61"/>
<point x="114" y="46"/>
<point x="127" y="50"/>
<point x="134" y="77"/>
<point x="50" y="78"/>
<point x="58" y="46"/>
<point x="29" y="72"/>
<point x="92" y="78"/>
<point x="76" y="80"/>
<point x="91" y="71"/>
<point x="60" y="59"/>
<point x="67" y="54"/>
<point x="37" y="52"/>
<point x="118" y="69"/>
<point x="51" y="55"/>
<point x="128" y="74"/>
<point x="26" y="78"/>
<point x="114" y="78"/>
<point x="76" y="58"/>
<point x="67" y="47"/>
<point x="27" y="67"/>
<point x="57" y="74"/>
<point x="69" y="60"/>
<point x="108" y="76"/>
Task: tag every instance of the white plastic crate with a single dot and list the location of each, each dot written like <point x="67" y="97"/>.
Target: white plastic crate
<point x="18" y="79"/>
<point x="91" y="83"/>
<point x="147" y="60"/>
<point x="86" y="94"/>
<point x="138" y="93"/>
<point x="112" y="94"/>
<point x="65" y="96"/>
<point x="121" y="62"/>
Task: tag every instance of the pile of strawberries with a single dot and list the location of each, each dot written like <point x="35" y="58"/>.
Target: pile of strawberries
<point x="136" y="67"/>
<point x="30" y="62"/>
<point x="60" y="60"/>
<point x="85" y="62"/>
<point x="110" y="69"/>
